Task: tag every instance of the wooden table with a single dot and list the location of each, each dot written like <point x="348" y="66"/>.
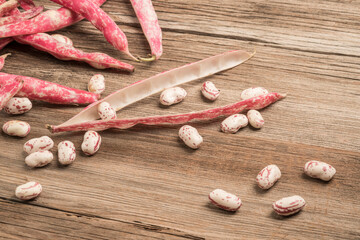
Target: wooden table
<point x="144" y="183"/>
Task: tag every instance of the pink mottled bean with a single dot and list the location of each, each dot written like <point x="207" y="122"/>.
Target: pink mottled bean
<point x="225" y="200"/>
<point x="106" y="112"/>
<point x="29" y="190"/>
<point x="91" y="143"/>
<point x="255" y="119"/>
<point x="18" y="105"/>
<point x="233" y="123"/>
<point x="39" y="159"/>
<point x="268" y="176"/>
<point x="66" y="152"/>
<point x="209" y="91"/>
<point x="253" y="92"/>
<point x="172" y="96"/>
<point x="190" y="136"/>
<point x="320" y="170"/>
<point x="38" y="144"/>
<point x="289" y="205"/>
<point x="96" y="84"/>
<point x="16" y="128"/>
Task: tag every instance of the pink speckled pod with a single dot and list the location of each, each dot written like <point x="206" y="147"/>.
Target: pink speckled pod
<point x="21" y="16"/>
<point x="172" y="96"/>
<point x="255" y="118"/>
<point x="149" y="23"/>
<point x="289" y="205"/>
<point x="320" y="170"/>
<point x="29" y="190"/>
<point x="268" y="176"/>
<point x="225" y="200"/>
<point x="38" y="144"/>
<point x="253" y="92"/>
<point x="233" y="123"/>
<point x="209" y="91"/>
<point x="66" y="152"/>
<point x="106" y="112"/>
<point x="190" y="136"/>
<point x="17" y="106"/>
<point x="101" y="21"/>
<point x="91" y="143"/>
<point x="16" y="128"/>
<point x="36" y="89"/>
<point x="123" y="123"/>
<point x="39" y="159"/>
<point x="8" y="6"/>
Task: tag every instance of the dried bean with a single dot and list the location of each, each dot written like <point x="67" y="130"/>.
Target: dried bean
<point x="16" y="128"/>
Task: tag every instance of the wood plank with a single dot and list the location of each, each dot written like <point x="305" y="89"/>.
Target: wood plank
<point x="145" y="182"/>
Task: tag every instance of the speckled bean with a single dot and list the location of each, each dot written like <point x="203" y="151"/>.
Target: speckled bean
<point x="28" y="190"/>
<point x="289" y="205"/>
<point x="66" y="152"/>
<point x="225" y="200"/>
<point x="39" y="159"/>
<point x="255" y="119"/>
<point x="91" y="143"/>
<point x="172" y="96"/>
<point x="233" y="123"/>
<point x="268" y="176"/>
<point x="38" y="144"/>
<point x="106" y="112"/>
<point x="16" y="128"/>
<point x="253" y="92"/>
<point x="190" y="136"/>
<point x="17" y="105"/>
<point x="320" y="170"/>
<point x="209" y="90"/>
<point x="96" y="84"/>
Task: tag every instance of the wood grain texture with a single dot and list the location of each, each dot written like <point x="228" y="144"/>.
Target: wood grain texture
<point x="144" y="183"/>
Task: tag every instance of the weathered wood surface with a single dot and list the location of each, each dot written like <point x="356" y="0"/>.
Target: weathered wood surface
<point x="144" y="183"/>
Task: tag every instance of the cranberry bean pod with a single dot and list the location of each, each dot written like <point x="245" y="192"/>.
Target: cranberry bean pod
<point x="252" y="103"/>
<point x="233" y="123"/>
<point x="17" y="106"/>
<point x="172" y="96"/>
<point x="91" y="143"/>
<point x="16" y="128"/>
<point x="47" y="21"/>
<point x="148" y="20"/>
<point x="36" y="89"/>
<point x="289" y="205"/>
<point x="268" y="176"/>
<point x="255" y="118"/>
<point x="66" y="152"/>
<point x="62" y="51"/>
<point x="39" y="159"/>
<point x="29" y="190"/>
<point x="21" y="16"/>
<point x="320" y="170"/>
<point x="106" y="112"/>
<point x="159" y="82"/>
<point x="190" y="136"/>
<point x="4" y="42"/>
<point x="101" y="21"/>
<point x="96" y="84"/>
<point x="2" y="60"/>
<point x="253" y="92"/>
<point x="209" y="91"/>
<point x="38" y="144"/>
<point x="9" y="88"/>
<point x="225" y="200"/>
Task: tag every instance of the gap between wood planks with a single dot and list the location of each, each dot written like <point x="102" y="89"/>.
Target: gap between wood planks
<point x="139" y="224"/>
